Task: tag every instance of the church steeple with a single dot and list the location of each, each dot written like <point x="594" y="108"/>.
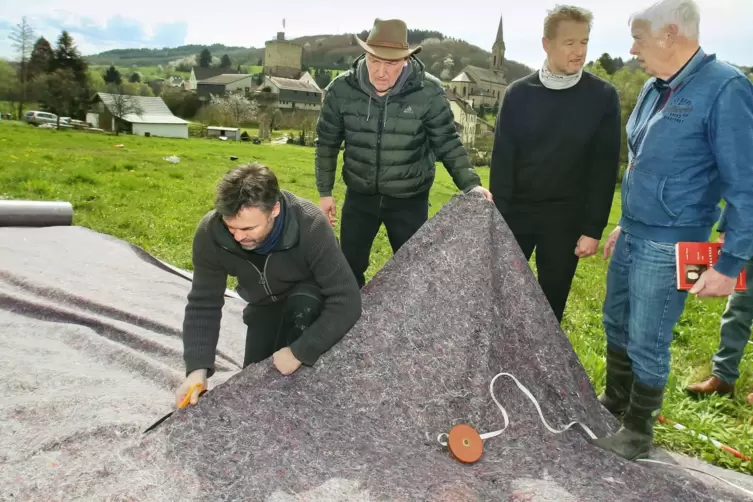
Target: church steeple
<point x="498" y="49"/>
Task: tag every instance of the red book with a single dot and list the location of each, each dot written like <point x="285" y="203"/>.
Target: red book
<point x="693" y="258"/>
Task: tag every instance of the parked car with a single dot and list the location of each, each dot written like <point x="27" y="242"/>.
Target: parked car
<point x="35" y="117"/>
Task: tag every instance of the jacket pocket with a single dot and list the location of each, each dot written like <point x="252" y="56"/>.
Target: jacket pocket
<point x="652" y="198"/>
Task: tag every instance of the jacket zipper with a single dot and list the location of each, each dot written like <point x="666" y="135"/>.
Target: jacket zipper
<point x="262" y="275"/>
<point x="264" y="278"/>
<point x="657" y="107"/>
<point x="627" y="188"/>
<point x="380" y="130"/>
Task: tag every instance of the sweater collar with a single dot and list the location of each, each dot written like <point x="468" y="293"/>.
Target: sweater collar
<point x="274" y="236"/>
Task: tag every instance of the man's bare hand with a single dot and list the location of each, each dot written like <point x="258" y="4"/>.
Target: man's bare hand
<point x="285" y="362"/>
<point x="196" y="376"/>
<point x="483" y="191"/>
<point x="713" y="283"/>
<point x="587" y="246"/>
<point x="611" y="242"/>
<point x="720" y="239"/>
<point x="329" y="208"/>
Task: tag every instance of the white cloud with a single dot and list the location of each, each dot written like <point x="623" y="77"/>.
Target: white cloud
<point x="725" y="29"/>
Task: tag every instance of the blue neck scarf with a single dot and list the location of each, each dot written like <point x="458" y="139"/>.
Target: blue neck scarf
<point x="274" y="236"/>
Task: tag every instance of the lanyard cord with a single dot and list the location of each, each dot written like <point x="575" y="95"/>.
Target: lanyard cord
<point x="529" y="395"/>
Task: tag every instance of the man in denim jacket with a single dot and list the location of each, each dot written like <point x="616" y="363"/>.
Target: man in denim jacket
<point x="690" y="140"/>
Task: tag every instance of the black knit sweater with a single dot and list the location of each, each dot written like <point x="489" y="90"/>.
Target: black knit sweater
<point x="307" y="251"/>
<point x="556" y="153"/>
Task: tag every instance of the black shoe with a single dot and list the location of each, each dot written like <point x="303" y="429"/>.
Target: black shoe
<point x="634" y="439"/>
<point x="616" y="396"/>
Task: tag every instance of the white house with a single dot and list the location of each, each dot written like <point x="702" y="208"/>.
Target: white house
<point x="154" y="119"/>
<point x="302" y="94"/>
<point x="465" y="117"/>
<point x="199" y="74"/>
<point x="221" y="85"/>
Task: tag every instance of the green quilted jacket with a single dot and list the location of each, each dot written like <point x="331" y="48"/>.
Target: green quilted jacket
<point x="391" y="142"/>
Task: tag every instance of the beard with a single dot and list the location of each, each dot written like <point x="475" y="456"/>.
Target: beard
<point x="252" y="244"/>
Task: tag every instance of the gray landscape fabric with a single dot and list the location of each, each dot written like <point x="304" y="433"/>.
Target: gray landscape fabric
<point x="32" y="213"/>
<point x="91" y="352"/>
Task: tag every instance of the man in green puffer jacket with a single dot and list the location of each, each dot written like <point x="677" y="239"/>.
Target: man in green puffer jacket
<point x="396" y="122"/>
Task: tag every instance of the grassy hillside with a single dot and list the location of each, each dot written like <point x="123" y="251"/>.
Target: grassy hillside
<point x="102" y="182"/>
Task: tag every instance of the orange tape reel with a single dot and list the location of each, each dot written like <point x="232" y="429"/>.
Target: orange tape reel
<point x="465" y="444"/>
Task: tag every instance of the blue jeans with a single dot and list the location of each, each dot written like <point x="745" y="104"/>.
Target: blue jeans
<point x="642" y="305"/>
<point x="737" y="321"/>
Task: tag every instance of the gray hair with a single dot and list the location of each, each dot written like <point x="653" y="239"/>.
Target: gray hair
<point x="684" y="14"/>
<point x="250" y="185"/>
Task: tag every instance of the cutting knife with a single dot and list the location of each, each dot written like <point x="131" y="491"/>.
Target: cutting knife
<point x="183" y="404"/>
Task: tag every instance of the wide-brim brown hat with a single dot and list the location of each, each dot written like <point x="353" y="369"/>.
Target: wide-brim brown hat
<point x="388" y="40"/>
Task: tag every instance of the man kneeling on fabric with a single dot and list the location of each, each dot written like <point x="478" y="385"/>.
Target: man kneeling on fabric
<point x="302" y="295"/>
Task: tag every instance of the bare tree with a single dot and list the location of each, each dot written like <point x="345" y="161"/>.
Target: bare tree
<point x="122" y="105"/>
<point x="23" y="41"/>
<point x="236" y="107"/>
<point x="268" y="112"/>
<point x="307" y="128"/>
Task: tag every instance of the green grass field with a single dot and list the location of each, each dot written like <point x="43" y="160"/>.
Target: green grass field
<point x="133" y="194"/>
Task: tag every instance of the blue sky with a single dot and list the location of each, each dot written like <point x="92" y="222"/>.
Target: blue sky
<point x="140" y="23"/>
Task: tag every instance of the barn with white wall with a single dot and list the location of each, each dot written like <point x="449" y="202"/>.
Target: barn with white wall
<point x="145" y="116"/>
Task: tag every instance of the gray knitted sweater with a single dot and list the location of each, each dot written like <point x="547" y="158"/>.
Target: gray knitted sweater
<point x="307" y="251"/>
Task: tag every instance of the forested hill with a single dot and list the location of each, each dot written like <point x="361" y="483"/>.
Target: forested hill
<point x="320" y="51"/>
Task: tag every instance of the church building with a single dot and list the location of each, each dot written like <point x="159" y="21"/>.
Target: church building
<point x="484" y="85"/>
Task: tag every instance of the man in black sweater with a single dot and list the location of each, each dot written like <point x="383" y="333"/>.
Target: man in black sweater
<point x="302" y="296"/>
<point x="556" y="155"/>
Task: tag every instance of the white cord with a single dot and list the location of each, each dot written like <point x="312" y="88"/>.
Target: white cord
<point x="530" y="396"/>
<point x="506" y="419"/>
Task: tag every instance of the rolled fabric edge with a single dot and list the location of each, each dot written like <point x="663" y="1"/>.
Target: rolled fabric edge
<point x="32" y="213"/>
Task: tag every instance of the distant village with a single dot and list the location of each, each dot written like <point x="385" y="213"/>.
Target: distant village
<point x="282" y="96"/>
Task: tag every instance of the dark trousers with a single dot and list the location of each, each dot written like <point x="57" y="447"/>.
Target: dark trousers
<point x="274" y="326"/>
<point x="554" y="238"/>
<point x="362" y="215"/>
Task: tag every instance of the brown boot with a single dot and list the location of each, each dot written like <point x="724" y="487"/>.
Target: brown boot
<point x="712" y="384"/>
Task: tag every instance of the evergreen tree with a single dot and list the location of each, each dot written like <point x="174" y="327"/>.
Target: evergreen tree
<point x="135" y="78"/>
<point x="68" y="57"/>
<point x="67" y="88"/>
<point x="205" y="58"/>
<point x="112" y="76"/>
<point x="41" y="58"/>
<point x="608" y="63"/>
<point x="225" y="62"/>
